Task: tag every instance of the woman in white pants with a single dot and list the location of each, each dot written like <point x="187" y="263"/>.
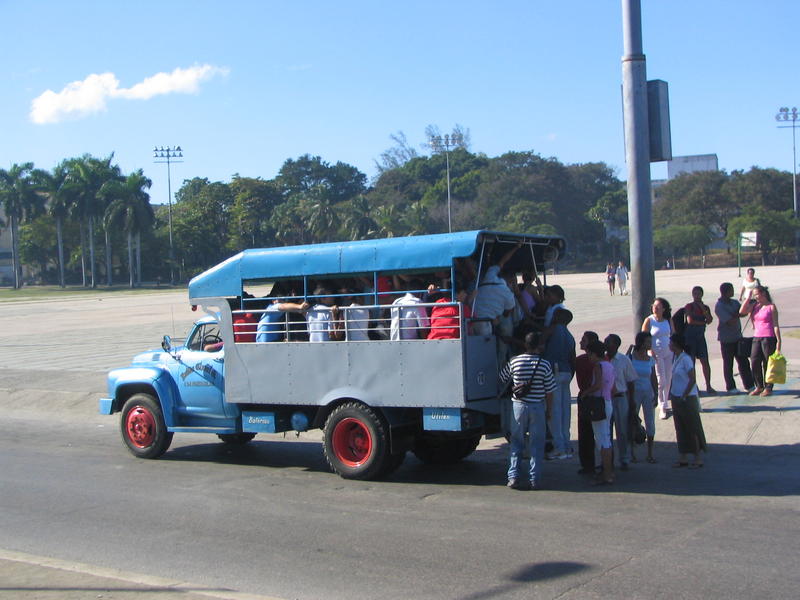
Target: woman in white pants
<point x="659" y="326"/>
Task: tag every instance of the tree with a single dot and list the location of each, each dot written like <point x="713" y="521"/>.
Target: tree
<point x="760" y="189"/>
<point x="358" y="221"/>
<point x="396" y="156"/>
<point x="339" y="182"/>
<point x="21" y="200"/>
<point x="695" y="199"/>
<point x="87" y="176"/>
<point x="60" y="198"/>
<point x="129" y="207"/>
<point x="776" y="230"/>
<point x="253" y="202"/>
<point x="677" y="240"/>
<point x="201" y="223"/>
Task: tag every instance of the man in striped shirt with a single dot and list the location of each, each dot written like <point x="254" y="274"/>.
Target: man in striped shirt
<point x="531" y="407"/>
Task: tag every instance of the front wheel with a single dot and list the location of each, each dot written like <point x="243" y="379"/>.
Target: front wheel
<point x="356" y="443"/>
<point x="142" y="426"/>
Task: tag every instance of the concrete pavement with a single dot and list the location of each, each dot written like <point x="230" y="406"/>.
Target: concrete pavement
<point x="117" y="327"/>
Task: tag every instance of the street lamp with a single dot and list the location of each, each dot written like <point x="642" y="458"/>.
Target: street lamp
<point x="169" y="154"/>
<point x="784" y="114"/>
<point x="439" y="144"/>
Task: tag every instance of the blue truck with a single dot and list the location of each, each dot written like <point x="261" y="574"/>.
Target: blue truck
<point x="376" y="394"/>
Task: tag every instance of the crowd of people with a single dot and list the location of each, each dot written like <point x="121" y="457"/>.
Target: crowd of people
<point x="620" y="392"/>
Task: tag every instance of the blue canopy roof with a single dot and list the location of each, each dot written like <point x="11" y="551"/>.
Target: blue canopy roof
<point x="364" y="256"/>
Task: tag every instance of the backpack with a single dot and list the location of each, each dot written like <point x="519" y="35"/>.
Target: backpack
<point x="679" y="321"/>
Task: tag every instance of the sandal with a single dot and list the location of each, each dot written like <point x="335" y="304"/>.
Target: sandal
<point x="756" y="391"/>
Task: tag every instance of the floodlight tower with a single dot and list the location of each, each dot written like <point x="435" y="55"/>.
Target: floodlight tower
<point x="169" y="155"/>
<point x="446" y="143"/>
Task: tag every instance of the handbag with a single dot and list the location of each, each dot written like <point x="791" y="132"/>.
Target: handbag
<point x="744" y="345"/>
<point x="638" y="432"/>
<point x="776" y="368"/>
<point x="521" y="389"/>
<point x="596" y="405"/>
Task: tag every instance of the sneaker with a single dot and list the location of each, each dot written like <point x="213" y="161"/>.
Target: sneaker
<point x="663" y="415"/>
<point x="564" y="455"/>
<point x="733" y="392"/>
<point x="570" y="453"/>
<point x="514" y="484"/>
<point x="555" y="455"/>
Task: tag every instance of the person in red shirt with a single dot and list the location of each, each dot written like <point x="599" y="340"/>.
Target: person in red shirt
<point x="445" y="324"/>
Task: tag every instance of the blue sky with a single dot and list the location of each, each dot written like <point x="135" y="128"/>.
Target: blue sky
<point x="245" y="85"/>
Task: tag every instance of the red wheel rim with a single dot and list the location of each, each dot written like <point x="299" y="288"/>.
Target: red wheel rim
<point x="140" y="425"/>
<point x="352" y="442"/>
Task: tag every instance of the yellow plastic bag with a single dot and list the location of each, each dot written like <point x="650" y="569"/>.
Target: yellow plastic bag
<point x="776" y="368"/>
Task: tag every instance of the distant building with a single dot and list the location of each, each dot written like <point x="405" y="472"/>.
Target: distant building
<point x="691" y="164"/>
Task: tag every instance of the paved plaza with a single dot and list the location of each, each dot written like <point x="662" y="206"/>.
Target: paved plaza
<point x="56" y="354"/>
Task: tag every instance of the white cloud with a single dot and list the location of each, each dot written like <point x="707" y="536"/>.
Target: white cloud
<point x="81" y="98"/>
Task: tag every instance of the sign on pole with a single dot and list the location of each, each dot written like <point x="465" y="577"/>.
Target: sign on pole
<point x="748" y="239"/>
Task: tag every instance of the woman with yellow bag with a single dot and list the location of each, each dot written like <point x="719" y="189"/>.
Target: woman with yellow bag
<point x="767" y="336"/>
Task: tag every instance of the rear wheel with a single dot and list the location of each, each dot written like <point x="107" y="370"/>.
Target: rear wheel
<point x="142" y="426"/>
<point x="356" y="442"/>
<point x="439" y="450"/>
<point x="236" y="439"/>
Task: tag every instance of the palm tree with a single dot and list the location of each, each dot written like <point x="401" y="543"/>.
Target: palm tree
<point x="359" y="222"/>
<point x="20" y="199"/>
<point x="89" y="174"/>
<point x="130" y="207"/>
<point x="323" y="216"/>
<point x="60" y="196"/>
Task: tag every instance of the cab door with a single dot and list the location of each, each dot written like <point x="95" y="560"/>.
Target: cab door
<point x="200" y="377"/>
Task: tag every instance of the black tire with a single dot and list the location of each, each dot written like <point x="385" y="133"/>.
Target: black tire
<point x="236" y="439"/>
<point x="356" y="441"/>
<point x="142" y="427"/>
<point x="438" y="450"/>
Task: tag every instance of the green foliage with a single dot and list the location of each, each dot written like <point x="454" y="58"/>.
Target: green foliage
<point x="776" y="230"/>
<point x="311" y="200"/>
<point x="677" y="240"/>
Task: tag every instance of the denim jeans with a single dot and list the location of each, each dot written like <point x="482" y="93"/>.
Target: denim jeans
<point x="560" y="414"/>
<point x="621" y="426"/>
<point x="528" y="417"/>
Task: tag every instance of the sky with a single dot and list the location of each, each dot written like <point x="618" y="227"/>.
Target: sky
<point x="242" y="86"/>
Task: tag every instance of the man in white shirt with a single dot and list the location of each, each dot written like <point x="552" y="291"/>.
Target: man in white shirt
<point x="409" y="320"/>
<point x="320" y="318"/>
<point x="622" y="278"/>
<point x="493" y="300"/>
<point x="621" y="397"/>
<point x="356" y="317"/>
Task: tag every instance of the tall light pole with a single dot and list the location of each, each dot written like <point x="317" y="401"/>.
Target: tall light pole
<point x="439" y="144"/>
<point x="169" y="154"/>
<point x="784" y="115"/>
<point x="637" y="157"/>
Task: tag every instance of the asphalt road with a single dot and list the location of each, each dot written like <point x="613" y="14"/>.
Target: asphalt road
<point x="270" y="519"/>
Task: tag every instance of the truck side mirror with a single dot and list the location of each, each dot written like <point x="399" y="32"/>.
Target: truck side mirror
<point x="166" y="344"/>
